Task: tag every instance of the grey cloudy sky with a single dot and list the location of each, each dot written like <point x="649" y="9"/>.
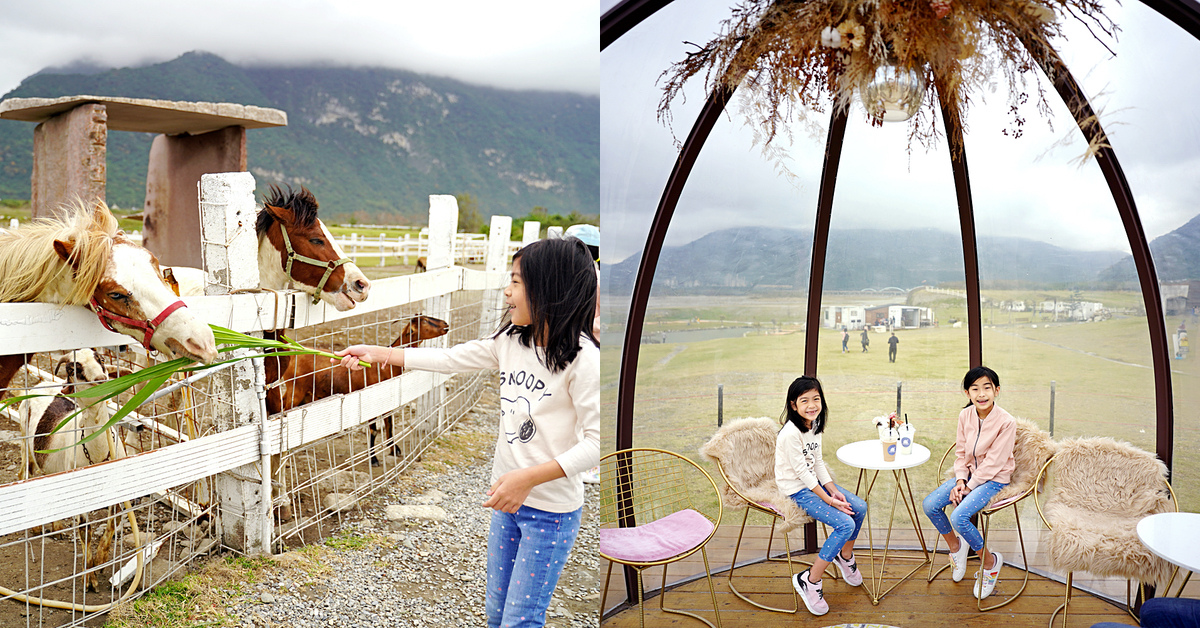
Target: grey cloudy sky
<point x="521" y="44"/>
<point x="1033" y="187"/>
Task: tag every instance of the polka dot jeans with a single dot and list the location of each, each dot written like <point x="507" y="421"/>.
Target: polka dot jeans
<point x="526" y="554"/>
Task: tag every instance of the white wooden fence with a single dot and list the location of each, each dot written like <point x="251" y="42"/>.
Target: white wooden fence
<point x="240" y="453"/>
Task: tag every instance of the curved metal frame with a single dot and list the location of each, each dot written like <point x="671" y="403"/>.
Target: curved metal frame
<point x="1129" y="601"/>
<point x="622" y="461"/>
<point x="628" y="14"/>
<point x="986" y="514"/>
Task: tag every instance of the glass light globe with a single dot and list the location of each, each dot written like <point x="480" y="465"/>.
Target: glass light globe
<point x="894" y="94"/>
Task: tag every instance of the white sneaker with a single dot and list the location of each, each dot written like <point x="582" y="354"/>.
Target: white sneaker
<point x="813" y="596"/>
<point x="959" y="559"/>
<point x="990" y="576"/>
<point x="849" y="569"/>
<point x="591" y="476"/>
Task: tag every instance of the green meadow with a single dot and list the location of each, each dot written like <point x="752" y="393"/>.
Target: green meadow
<point x="1100" y="373"/>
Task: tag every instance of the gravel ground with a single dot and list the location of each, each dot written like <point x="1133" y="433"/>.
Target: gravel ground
<point x="380" y="572"/>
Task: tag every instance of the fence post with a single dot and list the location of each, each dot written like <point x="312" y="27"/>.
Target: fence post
<point x="899" y="385"/>
<point x="532" y="232"/>
<point x="495" y="262"/>
<point x="230" y="257"/>
<point x="443" y="223"/>
<point x="405" y="249"/>
<point x="720" y="404"/>
<point x="1053" y="385"/>
<point x="381" y="255"/>
<point x="554" y="232"/>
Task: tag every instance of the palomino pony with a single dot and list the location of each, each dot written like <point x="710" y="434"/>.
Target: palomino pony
<point x="81" y="258"/>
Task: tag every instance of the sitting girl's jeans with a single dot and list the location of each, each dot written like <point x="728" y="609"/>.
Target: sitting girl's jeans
<point x="844" y="526"/>
<point x="526" y="554"/>
<point x="960" y="518"/>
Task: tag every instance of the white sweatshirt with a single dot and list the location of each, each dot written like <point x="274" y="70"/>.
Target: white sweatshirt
<point x="543" y="416"/>
<point x="798" y="463"/>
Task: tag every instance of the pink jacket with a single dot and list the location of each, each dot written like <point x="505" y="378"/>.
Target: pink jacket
<point x="984" y="448"/>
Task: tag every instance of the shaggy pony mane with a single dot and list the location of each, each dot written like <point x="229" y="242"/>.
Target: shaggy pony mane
<point x="30" y="265"/>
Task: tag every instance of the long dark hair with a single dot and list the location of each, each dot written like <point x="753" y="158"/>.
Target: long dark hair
<point x="559" y="277"/>
<point x="974" y="374"/>
<point x="803" y="384"/>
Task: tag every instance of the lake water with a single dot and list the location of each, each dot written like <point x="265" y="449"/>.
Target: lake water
<point x="613" y="339"/>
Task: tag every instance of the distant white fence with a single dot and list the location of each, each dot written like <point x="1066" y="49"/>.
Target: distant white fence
<point x="238" y="456"/>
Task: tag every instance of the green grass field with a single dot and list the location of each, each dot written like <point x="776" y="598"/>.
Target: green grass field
<point x="1101" y="373"/>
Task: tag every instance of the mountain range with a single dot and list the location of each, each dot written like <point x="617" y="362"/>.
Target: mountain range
<point x="741" y="259"/>
<point x="371" y="143"/>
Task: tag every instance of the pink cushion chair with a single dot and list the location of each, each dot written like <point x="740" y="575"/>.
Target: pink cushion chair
<point x="653" y="506"/>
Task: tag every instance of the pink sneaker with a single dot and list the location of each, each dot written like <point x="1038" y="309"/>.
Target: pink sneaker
<point x="813" y="596"/>
<point x="849" y="569"/>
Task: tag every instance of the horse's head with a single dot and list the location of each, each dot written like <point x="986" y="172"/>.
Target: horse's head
<point x="133" y="299"/>
<point x="295" y="249"/>
<point x="420" y="328"/>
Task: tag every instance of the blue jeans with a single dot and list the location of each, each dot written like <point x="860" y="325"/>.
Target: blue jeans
<point x="526" y="554"/>
<point x="960" y="517"/>
<point x="844" y="526"/>
<point x="1165" y="612"/>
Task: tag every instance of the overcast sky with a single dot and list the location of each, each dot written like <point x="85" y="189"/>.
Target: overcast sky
<point x="523" y="44"/>
<point x="1032" y="187"/>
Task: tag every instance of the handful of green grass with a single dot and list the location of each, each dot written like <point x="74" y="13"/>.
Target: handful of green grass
<point x="157" y="375"/>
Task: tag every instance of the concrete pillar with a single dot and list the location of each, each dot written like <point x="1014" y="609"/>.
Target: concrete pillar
<point x="443" y="225"/>
<point x="230" y="256"/>
<point x="532" y="232"/>
<point x="495" y="262"/>
<point x="172" y="215"/>
<point x="69" y="152"/>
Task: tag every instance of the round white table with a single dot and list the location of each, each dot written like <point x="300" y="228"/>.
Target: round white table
<point x="1172" y="537"/>
<point x="867" y="456"/>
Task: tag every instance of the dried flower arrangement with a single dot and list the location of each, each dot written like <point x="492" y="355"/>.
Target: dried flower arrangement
<point x="800" y="55"/>
<point x="888" y="426"/>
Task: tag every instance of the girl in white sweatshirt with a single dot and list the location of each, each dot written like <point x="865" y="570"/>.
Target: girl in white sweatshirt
<point x="549" y="363"/>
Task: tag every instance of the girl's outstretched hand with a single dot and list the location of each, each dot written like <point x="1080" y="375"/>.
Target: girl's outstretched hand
<point x="352" y="354"/>
<point x="510" y="490"/>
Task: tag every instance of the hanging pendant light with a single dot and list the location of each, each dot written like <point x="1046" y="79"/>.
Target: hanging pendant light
<point x="894" y="94"/>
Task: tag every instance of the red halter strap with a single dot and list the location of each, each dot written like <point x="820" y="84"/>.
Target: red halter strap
<point x="108" y="316"/>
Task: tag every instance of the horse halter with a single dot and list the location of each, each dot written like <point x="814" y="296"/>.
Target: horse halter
<point x="107" y="317"/>
<point x="330" y="266"/>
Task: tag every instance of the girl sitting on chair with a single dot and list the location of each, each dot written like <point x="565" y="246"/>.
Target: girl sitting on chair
<point x="801" y="473"/>
<point x="983" y="464"/>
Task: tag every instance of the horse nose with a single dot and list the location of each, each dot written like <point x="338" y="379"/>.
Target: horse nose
<point x="361" y="285"/>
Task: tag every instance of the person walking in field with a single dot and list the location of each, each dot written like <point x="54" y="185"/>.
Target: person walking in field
<point x="866" y="340"/>
<point x="892" y="342"/>
<point x="845" y="338"/>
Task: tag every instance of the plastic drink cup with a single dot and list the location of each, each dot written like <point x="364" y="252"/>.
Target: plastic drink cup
<point x="889" y="449"/>
<point x="907" y="432"/>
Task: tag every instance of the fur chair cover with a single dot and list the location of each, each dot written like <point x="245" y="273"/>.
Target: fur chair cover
<point x="1032" y="449"/>
<point x="1102" y="488"/>
<point x="745" y="449"/>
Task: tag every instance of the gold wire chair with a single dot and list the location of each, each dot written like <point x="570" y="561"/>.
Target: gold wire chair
<point x="1102" y="488"/>
<point x="1032" y="449"/>
<point x="744" y="452"/>
<point x="652" y="505"/>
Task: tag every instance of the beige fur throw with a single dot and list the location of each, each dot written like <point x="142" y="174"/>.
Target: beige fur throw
<point x="1101" y="489"/>
<point x="745" y="449"/>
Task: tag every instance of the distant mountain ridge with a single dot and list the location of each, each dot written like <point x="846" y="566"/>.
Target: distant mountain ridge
<point x="371" y="143"/>
<point x="1176" y="257"/>
<point x="746" y="258"/>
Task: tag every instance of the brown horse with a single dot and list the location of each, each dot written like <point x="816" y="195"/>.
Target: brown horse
<point x="309" y="380"/>
<point x="81" y="258"/>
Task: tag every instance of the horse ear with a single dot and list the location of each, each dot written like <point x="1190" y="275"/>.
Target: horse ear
<point x="65" y="248"/>
<point x="168" y="276"/>
<point x="282" y="214"/>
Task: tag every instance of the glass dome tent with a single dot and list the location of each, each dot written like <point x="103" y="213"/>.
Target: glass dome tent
<point x="1151" y="401"/>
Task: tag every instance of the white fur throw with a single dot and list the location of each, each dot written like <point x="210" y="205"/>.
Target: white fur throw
<point x="1102" y="488"/>
<point x="745" y="449"/>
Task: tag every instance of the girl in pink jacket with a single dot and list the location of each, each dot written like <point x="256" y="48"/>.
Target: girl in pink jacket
<point x="983" y="464"/>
